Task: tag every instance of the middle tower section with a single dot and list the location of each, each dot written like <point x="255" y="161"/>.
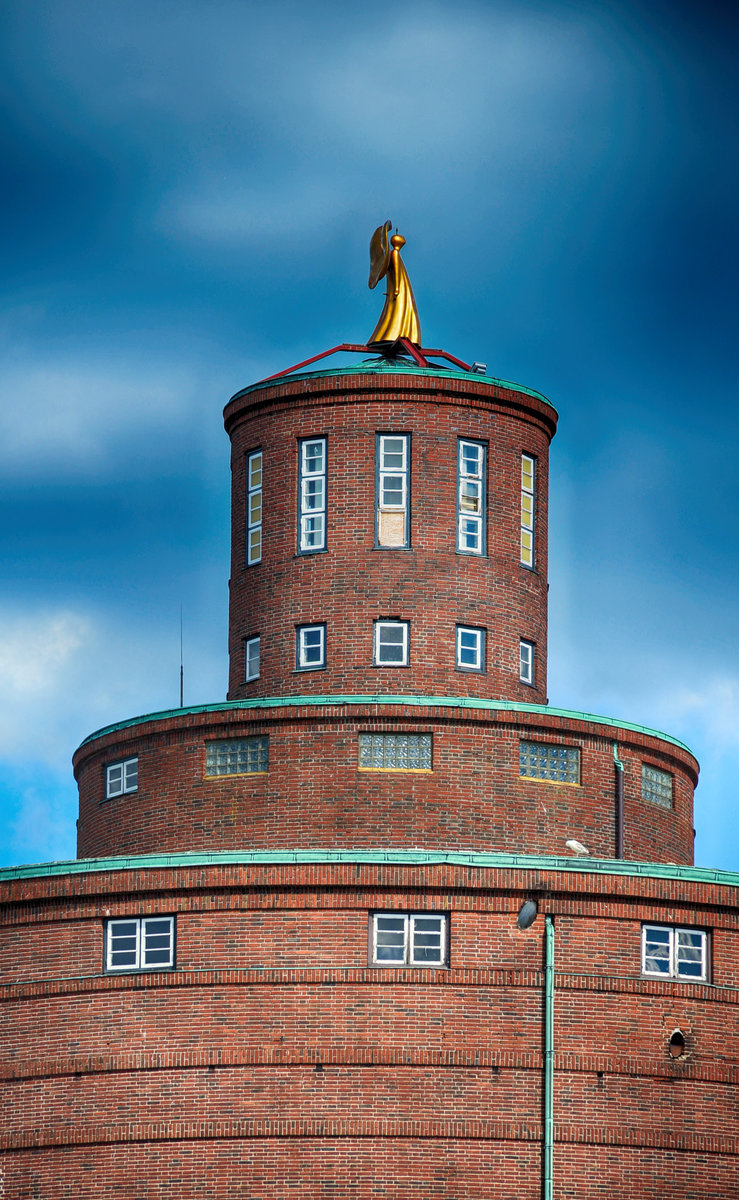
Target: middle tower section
<point x="389" y="536"/>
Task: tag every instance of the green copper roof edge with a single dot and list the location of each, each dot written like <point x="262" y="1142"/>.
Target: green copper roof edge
<point x="524" y="862"/>
<point x="371" y="698"/>
<point x="383" y="369"/>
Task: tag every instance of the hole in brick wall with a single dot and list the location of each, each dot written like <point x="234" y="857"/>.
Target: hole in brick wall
<point x="677" y="1043"/>
<point x="318" y="1068"/>
<point x="494" y="1070"/>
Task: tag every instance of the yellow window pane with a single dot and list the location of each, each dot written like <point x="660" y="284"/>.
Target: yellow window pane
<point x="255" y="508"/>
<point x="527" y="512"/>
<point x="527" y="548"/>
<point x="255" y="471"/>
<point x="527" y="474"/>
<point x="255" y="543"/>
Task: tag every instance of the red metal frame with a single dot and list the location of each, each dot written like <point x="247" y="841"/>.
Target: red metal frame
<point x="417" y="353"/>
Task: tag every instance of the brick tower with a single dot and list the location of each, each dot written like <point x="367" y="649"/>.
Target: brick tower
<point x="383" y="922"/>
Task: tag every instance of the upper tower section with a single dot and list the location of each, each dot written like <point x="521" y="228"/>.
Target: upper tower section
<point x="389" y="523"/>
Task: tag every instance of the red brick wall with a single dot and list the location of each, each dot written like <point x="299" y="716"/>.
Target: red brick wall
<point x="430" y="585"/>
<point x="204" y="1080"/>
<point x="314" y="794"/>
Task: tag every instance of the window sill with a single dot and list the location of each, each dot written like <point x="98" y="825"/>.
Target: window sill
<point x="236" y="775"/>
<point x="397" y="770"/>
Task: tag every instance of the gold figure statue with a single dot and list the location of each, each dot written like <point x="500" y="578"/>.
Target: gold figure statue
<point x="399" y="317"/>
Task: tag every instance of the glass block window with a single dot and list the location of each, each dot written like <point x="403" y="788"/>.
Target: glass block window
<point x="395" y="751"/>
<point x="254" y="507"/>
<point x="312" y="496"/>
<point x="471" y="497"/>
<point x="311" y="647"/>
<point x="671" y="953"/>
<point x="391" y="643"/>
<point x="656" y="786"/>
<point x="121" y="777"/>
<point x="540" y="760"/>
<point x="251" y="658"/>
<point x="528" y="480"/>
<point x="470" y="649"/>
<point x="526" y="662"/>
<point x="139" y="944"/>
<point x="237" y="756"/>
<point x="409" y="939"/>
<point x="393" y="455"/>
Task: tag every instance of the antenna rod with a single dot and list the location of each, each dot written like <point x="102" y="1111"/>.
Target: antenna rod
<point x="182" y="667"/>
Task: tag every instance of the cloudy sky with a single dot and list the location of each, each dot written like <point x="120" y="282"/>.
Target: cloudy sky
<point x="187" y="195"/>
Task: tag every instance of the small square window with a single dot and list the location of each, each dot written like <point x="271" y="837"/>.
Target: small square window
<point x="139" y="944"/>
<point x="391" y="643"/>
<point x="545" y="761"/>
<point x="671" y="953"/>
<point x="121" y="778"/>
<point x="237" y="756"/>
<point x="656" y="786"/>
<point x="526" y="659"/>
<point x="395" y="751"/>
<point x="251" y="659"/>
<point x="409" y="939"/>
<point x="470" y="649"/>
<point x="311" y="647"/>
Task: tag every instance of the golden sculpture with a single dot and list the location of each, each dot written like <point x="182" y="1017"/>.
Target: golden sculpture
<point x="399" y="317"/>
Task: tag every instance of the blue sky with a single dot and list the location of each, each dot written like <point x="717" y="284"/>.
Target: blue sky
<point x="187" y="196"/>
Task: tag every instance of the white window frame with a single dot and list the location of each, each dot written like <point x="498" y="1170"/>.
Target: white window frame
<point x="411" y="930"/>
<point x="122" y="778"/>
<point x="467" y="631"/>
<point x="527" y="659"/>
<point x="222" y="754"/>
<point x="311" y="515"/>
<point x="386" y="473"/>
<point x="302" y="661"/>
<point x="680" y="943"/>
<point x="252" y="652"/>
<point x="471" y="521"/>
<point x="254" y="507"/>
<point x="145" y="941"/>
<point x="528" y="511"/>
<point x="404" y="643"/>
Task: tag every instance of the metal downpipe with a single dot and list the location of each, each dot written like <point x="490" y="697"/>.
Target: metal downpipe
<point x="548" y="1148"/>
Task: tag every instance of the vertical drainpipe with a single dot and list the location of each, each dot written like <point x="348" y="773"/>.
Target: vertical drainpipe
<point x="619" y="802"/>
<point x="548" y="1156"/>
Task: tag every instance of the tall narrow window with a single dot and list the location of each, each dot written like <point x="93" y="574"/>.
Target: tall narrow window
<point x="526" y="668"/>
<point x="312" y="496"/>
<point x="471" y="498"/>
<point x="251" y="659"/>
<point x="393" y="453"/>
<point x="254" y="508"/>
<point x="528" y="483"/>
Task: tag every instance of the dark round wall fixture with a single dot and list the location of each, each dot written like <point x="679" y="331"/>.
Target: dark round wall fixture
<point x="527" y="914"/>
<point x="676" y="1043"/>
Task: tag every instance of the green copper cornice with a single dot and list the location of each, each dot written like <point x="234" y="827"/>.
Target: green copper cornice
<point x="386" y="367"/>
<point x="406" y="858"/>
<point x="269" y="702"/>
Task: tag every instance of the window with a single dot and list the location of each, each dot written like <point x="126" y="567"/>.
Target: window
<point x="254" y="508"/>
<point x="541" y="760"/>
<point x="251" y="659"/>
<point x="139" y="944"/>
<point x="311" y="647"/>
<point x="471" y="498"/>
<point x="312" y="496"/>
<point x="237" y="756"/>
<point x="391" y="643"/>
<point x="528" y="480"/>
<point x="526" y="668"/>
<point x="470" y="649"/>
<point x="392" y="528"/>
<point x="670" y="953"/>
<point x="121" y="777"/>
<point x="395" y="751"/>
<point x="656" y="786"/>
<point x="409" y="939"/>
